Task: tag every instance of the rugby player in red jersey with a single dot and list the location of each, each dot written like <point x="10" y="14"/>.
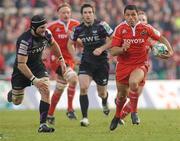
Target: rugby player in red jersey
<point x="61" y="29"/>
<point x="129" y="45"/>
<point x="127" y="108"/>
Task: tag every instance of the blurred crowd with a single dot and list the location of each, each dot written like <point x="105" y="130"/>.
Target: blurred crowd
<point x="162" y="14"/>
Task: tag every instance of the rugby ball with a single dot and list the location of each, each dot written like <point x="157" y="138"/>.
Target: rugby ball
<point x="159" y="49"/>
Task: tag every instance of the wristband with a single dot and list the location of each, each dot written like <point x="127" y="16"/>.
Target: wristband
<point x="32" y="78"/>
<point x="60" y="58"/>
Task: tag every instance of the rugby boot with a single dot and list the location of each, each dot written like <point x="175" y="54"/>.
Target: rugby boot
<point x="44" y="128"/>
<point x="135" y="119"/>
<point x="114" y="123"/>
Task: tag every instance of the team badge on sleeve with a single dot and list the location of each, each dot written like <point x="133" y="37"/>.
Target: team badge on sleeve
<point x="72" y="34"/>
<point x="107" y="27"/>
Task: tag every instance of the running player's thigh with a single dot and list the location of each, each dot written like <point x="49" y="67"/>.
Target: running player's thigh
<point x="84" y="81"/>
<point x="122" y="89"/>
<point x="136" y="76"/>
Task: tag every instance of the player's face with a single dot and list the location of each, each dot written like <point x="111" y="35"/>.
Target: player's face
<point x="41" y="30"/>
<point x="143" y="18"/>
<point x="88" y="15"/>
<point x="131" y="17"/>
<point x="64" y="14"/>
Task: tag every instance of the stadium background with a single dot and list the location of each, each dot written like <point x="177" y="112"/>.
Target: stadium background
<point x="162" y="90"/>
<point x="163" y="14"/>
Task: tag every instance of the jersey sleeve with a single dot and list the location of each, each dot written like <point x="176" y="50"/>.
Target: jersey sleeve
<point x="74" y="34"/>
<point x="153" y="33"/>
<point x="22" y="47"/>
<point x="107" y="29"/>
<point x="116" y="40"/>
<point x="49" y="36"/>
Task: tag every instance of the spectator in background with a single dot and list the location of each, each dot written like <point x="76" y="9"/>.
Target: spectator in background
<point x="162" y="14"/>
<point x="2" y="64"/>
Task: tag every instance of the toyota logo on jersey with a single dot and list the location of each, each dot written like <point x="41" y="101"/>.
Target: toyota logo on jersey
<point x="134" y="41"/>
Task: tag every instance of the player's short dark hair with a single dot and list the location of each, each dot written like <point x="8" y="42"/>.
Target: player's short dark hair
<point x="130" y="7"/>
<point x="65" y="4"/>
<point x="87" y="5"/>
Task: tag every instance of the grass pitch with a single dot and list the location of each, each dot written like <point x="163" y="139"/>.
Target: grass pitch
<point x="156" y="125"/>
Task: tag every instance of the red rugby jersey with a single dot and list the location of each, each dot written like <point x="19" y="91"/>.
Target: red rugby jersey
<point x="61" y="32"/>
<point x="138" y="37"/>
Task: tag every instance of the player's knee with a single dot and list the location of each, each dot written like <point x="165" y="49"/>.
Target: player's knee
<point x="83" y="91"/>
<point x="102" y="94"/>
<point x="73" y="81"/>
<point x="133" y="85"/>
<point x="17" y="99"/>
<point x="47" y="92"/>
<point x="70" y="75"/>
<point x="61" y="85"/>
<point x="17" y="96"/>
<point x="122" y="97"/>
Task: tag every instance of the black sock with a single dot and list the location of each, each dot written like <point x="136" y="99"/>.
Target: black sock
<point x="84" y="103"/>
<point x="43" y="110"/>
<point x="104" y="100"/>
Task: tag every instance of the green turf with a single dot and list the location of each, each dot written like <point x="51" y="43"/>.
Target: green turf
<point x="156" y="125"/>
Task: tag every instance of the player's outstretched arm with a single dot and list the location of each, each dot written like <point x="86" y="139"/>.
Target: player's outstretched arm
<point x="102" y="48"/>
<point x="170" y="49"/>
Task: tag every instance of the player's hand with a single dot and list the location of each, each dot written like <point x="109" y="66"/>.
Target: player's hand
<point x="167" y="55"/>
<point x="79" y="43"/>
<point x="98" y="51"/>
<point x="63" y="66"/>
<point x="77" y="60"/>
<point x="126" y="46"/>
<point x="41" y="84"/>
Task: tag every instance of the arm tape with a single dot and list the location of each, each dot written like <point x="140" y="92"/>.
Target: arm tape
<point x="21" y="62"/>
